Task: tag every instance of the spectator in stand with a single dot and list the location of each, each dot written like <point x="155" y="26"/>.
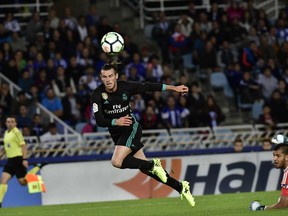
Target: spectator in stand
<point x="18" y="101"/>
<point x="266" y="145"/>
<point x="130" y="47"/>
<point x="225" y="56"/>
<point x="207" y="59"/>
<point x="60" y="61"/>
<point x="279" y="107"/>
<point x="52" y="103"/>
<point x="37" y="126"/>
<point x="215" y="13"/>
<point x="186" y="24"/>
<point x="104" y="27"/>
<point x="217" y="34"/>
<point x="93" y="34"/>
<point x="4" y="35"/>
<point x="5" y="98"/>
<point x="185" y="113"/>
<point x="11" y="24"/>
<point x="250" y="56"/>
<point x="205" y="24"/>
<point x="23" y="118"/>
<point x="47" y="31"/>
<point x="212" y="114"/>
<point x="20" y="60"/>
<point x="133" y="75"/>
<point x="18" y="43"/>
<point x="88" y="80"/>
<point x="74" y="70"/>
<point x="267" y="118"/>
<point x="247" y="21"/>
<point x="234" y="10"/>
<point x="70" y="41"/>
<point x="40" y="42"/>
<point x="7" y="51"/>
<point x="33" y="26"/>
<point x="283" y="55"/>
<point x="42" y="81"/>
<point x="138" y="64"/>
<point x="157" y="69"/>
<point x="11" y="71"/>
<point x="82" y="28"/>
<point x="238" y="145"/>
<point x="177" y="45"/>
<point x="52" y="135"/>
<point x="161" y="33"/>
<point x="72" y="107"/>
<point x="92" y="17"/>
<point x="39" y="62"/>
<point x="149" y="119"/>
<point x="61" y="82"/>
<point x="236" y="34"/>
<point x="283" y="89"/>
<point x="268" y="83"/>
<point x="93" y="50"/>
<point x="171" y="114"/>
<point x="282" y="31"/>
<point x="252" y="36"/>
<point x="54" y="19"/>
<point x="195" y="104"/>
<point x="70" y="20"/>
<point x="249" y="90"/>
<point x="266" y="50"/>
<point x="85" y="59"/>
<point x="25" y="81"/>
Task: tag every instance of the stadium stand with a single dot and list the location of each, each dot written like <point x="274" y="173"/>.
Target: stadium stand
<point x="47" y="54"/>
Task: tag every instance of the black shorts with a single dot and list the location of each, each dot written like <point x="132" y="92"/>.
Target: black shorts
<point x="14" y="166"/>
<point x="128" y="136"/>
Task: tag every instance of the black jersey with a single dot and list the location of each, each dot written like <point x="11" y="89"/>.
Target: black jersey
<point x="108" y="106"/>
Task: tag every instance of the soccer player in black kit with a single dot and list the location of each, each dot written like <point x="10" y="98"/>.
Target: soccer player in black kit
<point x="110" y="102"/>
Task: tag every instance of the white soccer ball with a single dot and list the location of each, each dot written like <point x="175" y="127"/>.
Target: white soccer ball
<point x="112" y="43"/>
<point x="278" y="139"/>
<point x="254" y="205"/>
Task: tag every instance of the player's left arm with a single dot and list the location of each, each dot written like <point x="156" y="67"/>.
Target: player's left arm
<point x="25" y="155"/>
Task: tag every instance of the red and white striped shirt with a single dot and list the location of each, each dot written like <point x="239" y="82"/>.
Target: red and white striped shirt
<point x="284" y="183"/>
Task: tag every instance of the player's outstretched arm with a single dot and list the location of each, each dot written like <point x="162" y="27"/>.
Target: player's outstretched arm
<point x="180" y="89"/>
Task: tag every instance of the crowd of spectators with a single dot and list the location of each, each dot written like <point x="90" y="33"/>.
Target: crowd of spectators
<point x="57" y="60"/>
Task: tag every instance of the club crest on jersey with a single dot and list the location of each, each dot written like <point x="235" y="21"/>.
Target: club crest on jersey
<point x="95" y="108"/>
<point x="124" y="97"/>
<point x="104" y="96"/>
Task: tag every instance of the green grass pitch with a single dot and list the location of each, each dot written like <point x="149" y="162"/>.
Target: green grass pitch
<point x="209" y="205"/>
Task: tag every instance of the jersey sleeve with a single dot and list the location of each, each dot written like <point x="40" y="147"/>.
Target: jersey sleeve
<point x="19" y="138"/>
<point x="284" y="184"/>
<point x="137" y="88"/>
<point x="97" y="109"/>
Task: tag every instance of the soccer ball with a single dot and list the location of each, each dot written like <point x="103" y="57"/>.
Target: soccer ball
<point x="112" y="43"/>
<point x="254" y="205"/>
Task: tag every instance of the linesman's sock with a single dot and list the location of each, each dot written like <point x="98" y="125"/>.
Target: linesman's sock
<point x="3" y="190"/>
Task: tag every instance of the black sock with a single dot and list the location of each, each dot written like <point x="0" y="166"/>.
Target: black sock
<point x="136" y="163"/>
<point x="173" y="183"/>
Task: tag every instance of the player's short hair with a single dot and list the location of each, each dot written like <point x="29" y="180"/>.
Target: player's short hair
<point x="283" y="147"/>
<point x="11" y="116"/>
<point x="111" y="64"/>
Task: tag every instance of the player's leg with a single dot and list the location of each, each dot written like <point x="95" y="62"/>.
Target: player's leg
<point x="183" y="187"/>
<point x="4" y="185"/>
<point x="122" y="159"/>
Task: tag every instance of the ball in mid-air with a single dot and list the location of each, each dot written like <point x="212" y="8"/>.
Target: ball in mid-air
<point x="112" y="43"/>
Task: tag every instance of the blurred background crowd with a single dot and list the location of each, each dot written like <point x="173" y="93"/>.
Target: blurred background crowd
<point x="56" y="61"/>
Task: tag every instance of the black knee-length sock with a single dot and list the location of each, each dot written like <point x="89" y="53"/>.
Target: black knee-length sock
<point x="136" y="163"/>
<point x="173" y="183"/>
